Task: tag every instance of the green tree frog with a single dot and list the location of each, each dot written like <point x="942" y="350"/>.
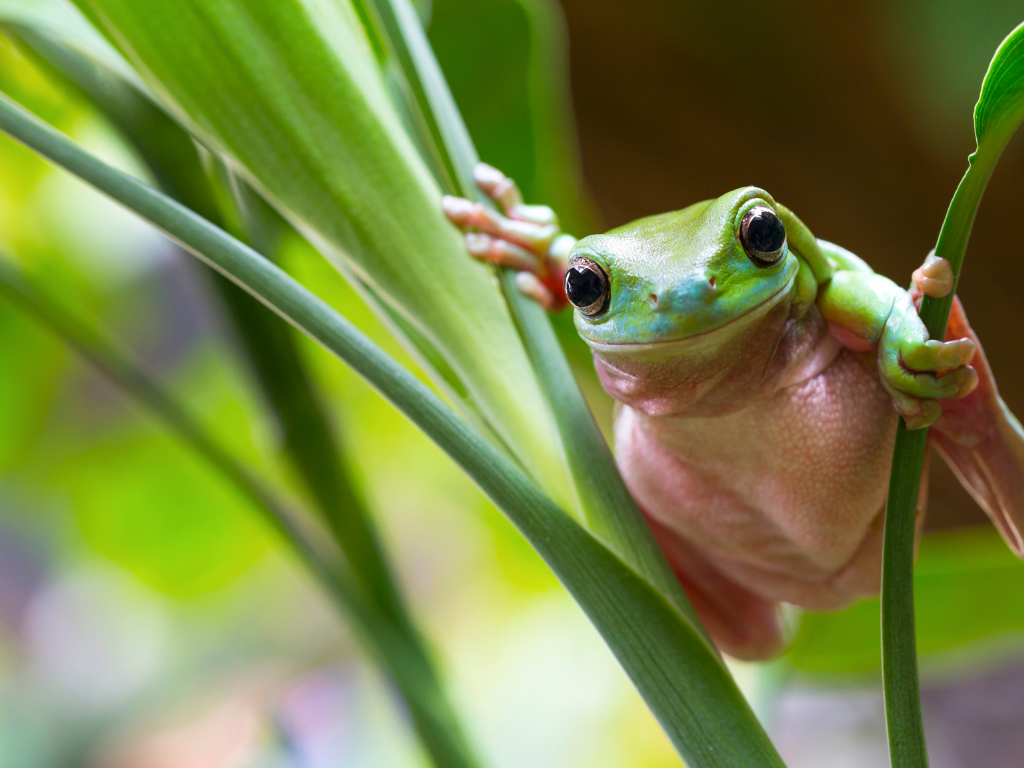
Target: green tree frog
<point x="759" y="372"/>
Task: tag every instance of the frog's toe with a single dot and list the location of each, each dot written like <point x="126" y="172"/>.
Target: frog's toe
<point x="933" y="278"/>
<point x="487" y="248"/>
<point x="937" y="355"/>
<point x="466" y="214"/>
<point x="541" y="215"/>
<point x="497" y="186"/>
<point x="457" y="209"/>
<point x="531" y="285"/>
<point x="527" y="238"/>
<point x="503" y="191"/>
<point x="916" y="412"/>
<point x="928" y="386"/>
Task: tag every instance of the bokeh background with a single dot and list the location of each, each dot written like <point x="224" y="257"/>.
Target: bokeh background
<point x="148" y="618"/>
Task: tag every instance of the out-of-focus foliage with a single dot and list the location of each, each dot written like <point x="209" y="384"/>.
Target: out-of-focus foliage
<point x="941" y="49"/>
<point x="158" y="510"/>
<point x="969" y="589"/>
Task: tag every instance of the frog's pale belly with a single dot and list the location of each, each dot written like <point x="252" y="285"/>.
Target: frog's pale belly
<point x="784" y="497"/>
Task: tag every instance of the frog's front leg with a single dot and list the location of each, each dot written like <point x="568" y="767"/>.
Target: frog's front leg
<point x="526" y="238"/>
<point x="915" y="370"/>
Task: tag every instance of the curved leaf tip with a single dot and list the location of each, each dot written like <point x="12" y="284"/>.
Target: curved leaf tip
<point x="1001" y="103"/>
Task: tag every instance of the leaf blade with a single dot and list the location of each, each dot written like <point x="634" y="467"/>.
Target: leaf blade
<point x="292" y="93"/>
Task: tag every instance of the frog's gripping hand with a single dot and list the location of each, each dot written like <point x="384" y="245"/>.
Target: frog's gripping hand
<point x="526" y="238"/>
<point x="869" y="309"/>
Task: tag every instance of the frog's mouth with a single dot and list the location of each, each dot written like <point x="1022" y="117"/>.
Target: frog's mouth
<point x="710" y="339"/>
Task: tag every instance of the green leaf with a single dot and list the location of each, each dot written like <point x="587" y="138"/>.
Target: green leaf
<point x="682" y="679"/>
<point x="28" y="375"/>
<point x="609" y="508"/>
<point x="507" y="64"/>
<point x="60" y="17"/>
<point x="905" y="726"/>
<point x="291" y="92"/>
<point x="1000" y="108"/>
<point x="309" y="439"/>
<point x="998" y="114"/>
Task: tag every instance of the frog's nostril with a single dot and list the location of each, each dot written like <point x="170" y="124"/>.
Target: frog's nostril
<point x="654" y="300"/>
<point x="712" y="281"/>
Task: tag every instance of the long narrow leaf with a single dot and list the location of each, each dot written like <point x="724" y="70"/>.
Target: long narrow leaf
<point x="610" y="509"/>
<point x="309" y="438"/>
<point x="683" y="681"/>
<point x="312" y="445"/>
<point x="400" y="656"/>
<point x="997" y="116"/>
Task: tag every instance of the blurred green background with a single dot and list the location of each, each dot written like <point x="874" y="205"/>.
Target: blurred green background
<point x="148" y="618"/>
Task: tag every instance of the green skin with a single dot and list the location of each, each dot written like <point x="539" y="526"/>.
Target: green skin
<point x="757" y="404"/>
<point x="677" y="254"/>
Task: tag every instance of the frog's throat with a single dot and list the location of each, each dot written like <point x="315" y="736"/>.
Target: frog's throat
<point x="711" y="339"/>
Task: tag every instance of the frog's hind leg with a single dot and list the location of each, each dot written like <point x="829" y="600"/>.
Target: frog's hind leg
<point x="978" y="437"/>
<point x="743" y="625"/>
<point x="983" y="443"/>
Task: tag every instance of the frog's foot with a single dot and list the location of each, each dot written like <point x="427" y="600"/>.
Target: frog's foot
<point x="983" y="443"/>
<point x="912" y="375"/>
<point x="917" y="371"/>
<point x="527" y="238"/>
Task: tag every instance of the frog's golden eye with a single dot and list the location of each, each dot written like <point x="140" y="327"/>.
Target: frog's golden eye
<point x="763" y="235"/>
<point x="586" y="286"/>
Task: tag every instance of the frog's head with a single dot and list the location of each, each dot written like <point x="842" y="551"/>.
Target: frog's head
<point x="684" y="297"/>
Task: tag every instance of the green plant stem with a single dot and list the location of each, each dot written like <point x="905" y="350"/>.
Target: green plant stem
<point x="997" y="116"/>
<point x="399" y="655"/>
<point x="907" y="747"/>
<point x="685" y="684"/>
<point x="607" y="504"/>
<point x="899" y="651"/>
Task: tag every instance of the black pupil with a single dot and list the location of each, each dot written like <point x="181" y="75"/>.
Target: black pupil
<point x="583" y="286"/>
<point x="765" y="231"/>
